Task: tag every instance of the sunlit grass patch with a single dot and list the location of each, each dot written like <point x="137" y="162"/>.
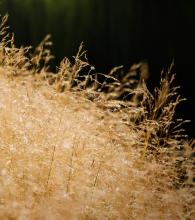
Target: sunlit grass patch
<point x="70" y="151"/>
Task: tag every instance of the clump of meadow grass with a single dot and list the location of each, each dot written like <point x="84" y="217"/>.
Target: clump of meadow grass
<point x="71" y="151"/>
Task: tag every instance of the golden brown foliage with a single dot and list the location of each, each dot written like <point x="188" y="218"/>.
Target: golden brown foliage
<point x="70" y="151"/>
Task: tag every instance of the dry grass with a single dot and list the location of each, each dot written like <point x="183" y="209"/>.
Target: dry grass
<point x="69" y="151"/>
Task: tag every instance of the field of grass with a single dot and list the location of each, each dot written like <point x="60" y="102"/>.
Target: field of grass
<point x="70" y="151"/>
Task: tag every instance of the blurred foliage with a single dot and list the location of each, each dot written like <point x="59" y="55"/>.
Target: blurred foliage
<point x="116" y="33"/>
<point x="112" y="31"/>
<point x="68" y="22"/>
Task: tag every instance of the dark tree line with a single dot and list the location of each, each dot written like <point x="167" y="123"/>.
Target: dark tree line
<point x="114" y="33"/>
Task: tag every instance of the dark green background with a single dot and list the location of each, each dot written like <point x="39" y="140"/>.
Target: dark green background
<point x="115" y="32"/>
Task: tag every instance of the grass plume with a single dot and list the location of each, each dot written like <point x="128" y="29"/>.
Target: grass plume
<point x="70" y="151"/>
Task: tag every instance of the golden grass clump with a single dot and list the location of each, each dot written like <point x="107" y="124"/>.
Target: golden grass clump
<point x="70" y="151"/>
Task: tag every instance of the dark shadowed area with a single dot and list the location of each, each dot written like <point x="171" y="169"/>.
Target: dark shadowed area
<point x="115" y="33"/>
